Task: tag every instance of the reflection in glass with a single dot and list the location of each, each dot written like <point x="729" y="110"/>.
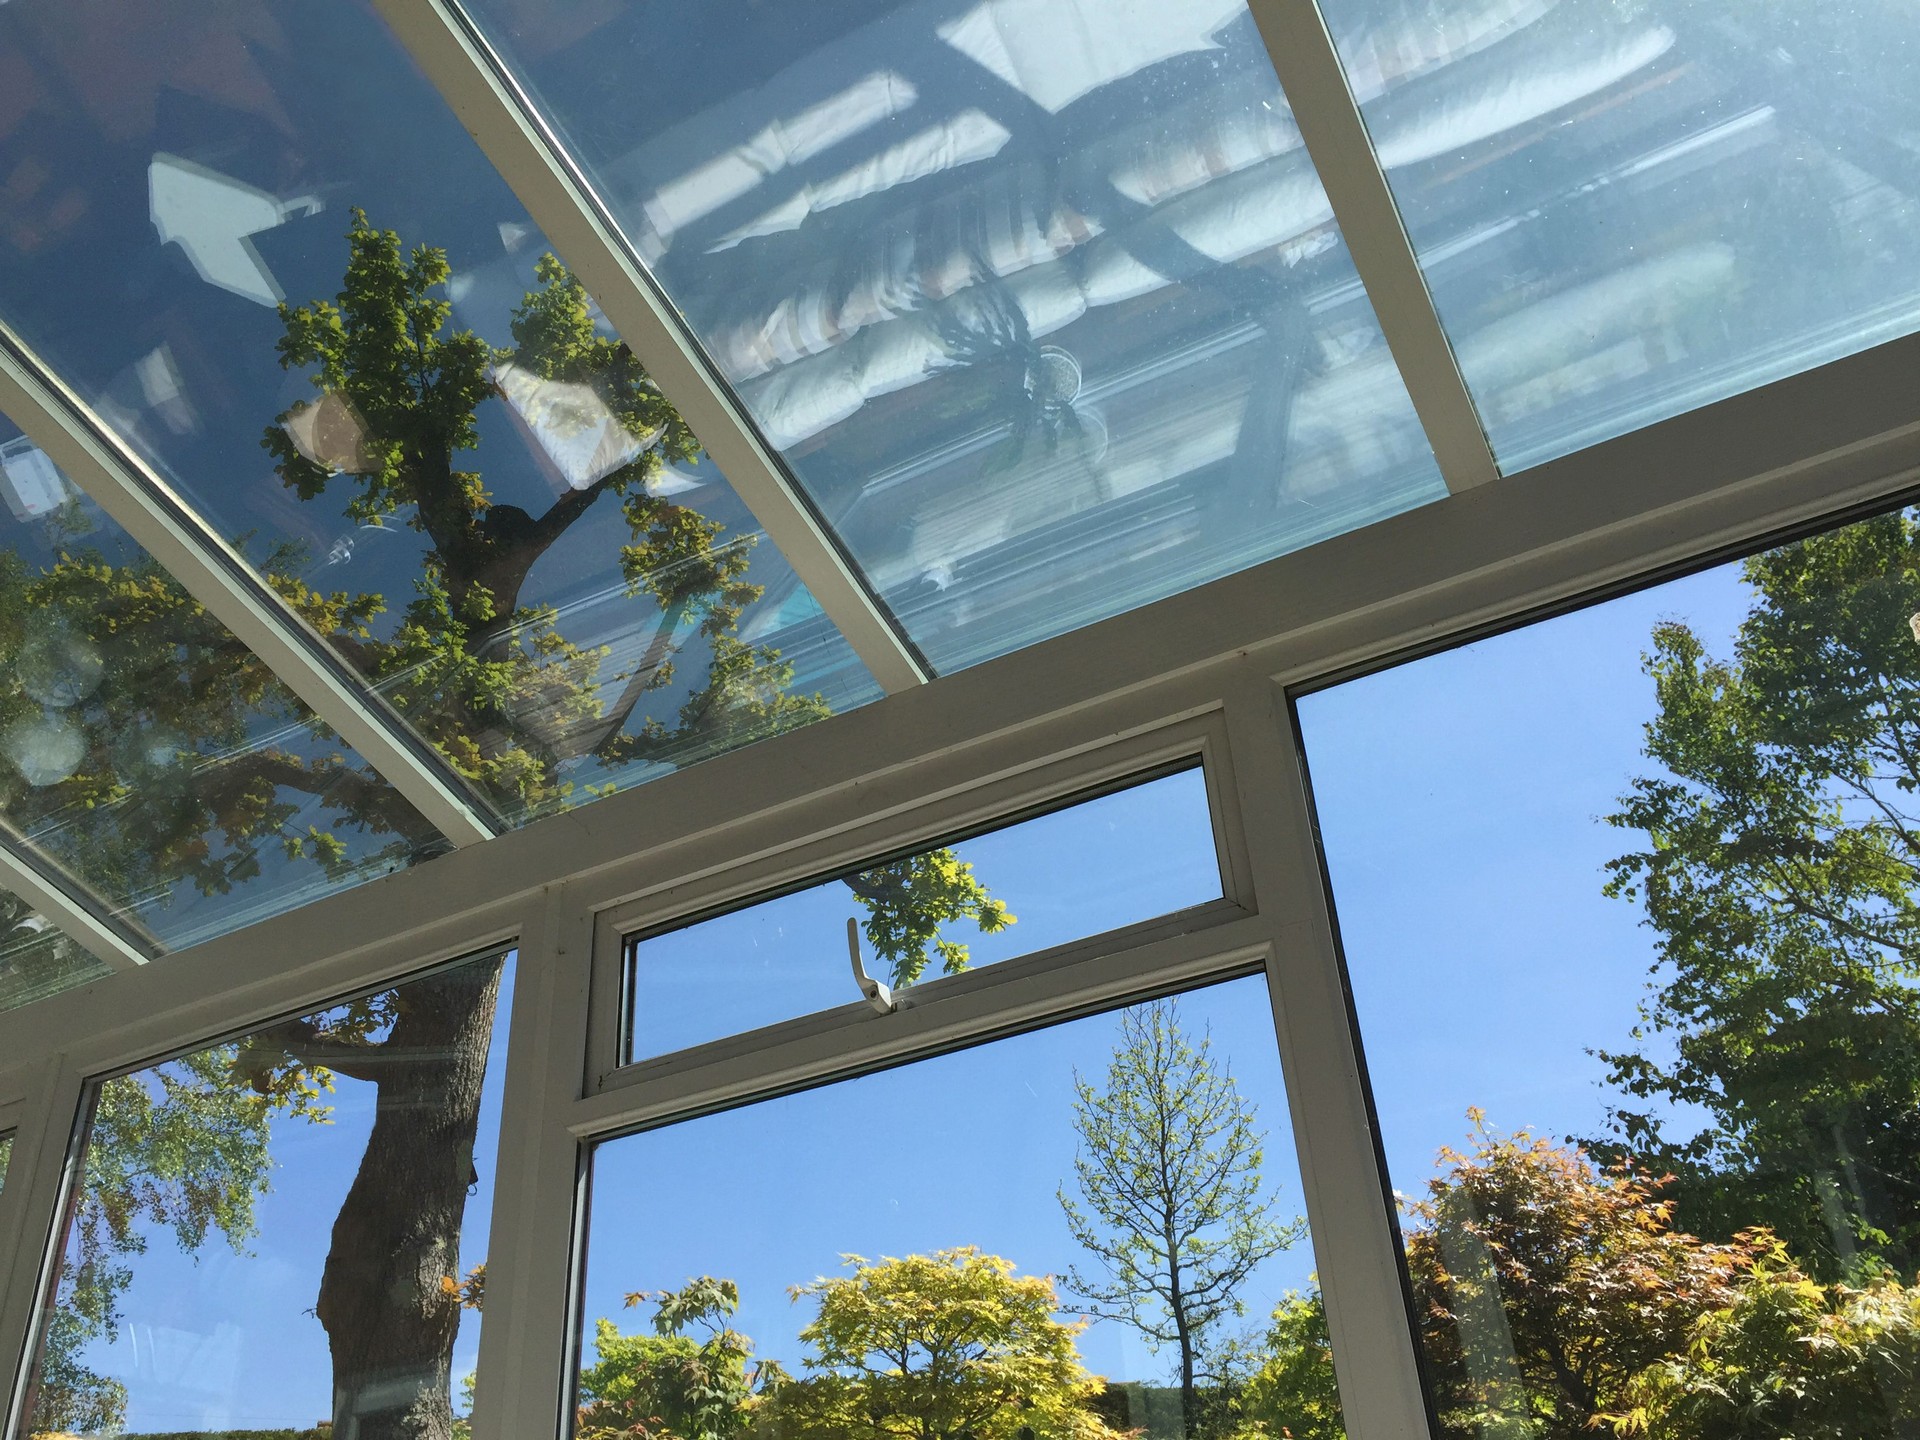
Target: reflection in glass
<point x="974" y="1244"/>
<point x="6" y="1155"/>
<point x="149" y="756"/>
<point x="1099" y="865"/>
<point x="1629" y="210"/>
<point x="1041" y="299"/>
<point x="1631" y="906"/>
<point x="334" y="331"/>
<point x="286" y="1232"/>
<point x="36" y="959"/>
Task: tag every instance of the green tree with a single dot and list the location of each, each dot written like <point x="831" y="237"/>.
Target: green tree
<point x="1789" y="1356"/>
<point x="908" y="901"/>
<point x="1543" y="1285"/>
<point x="1293" y="1393"/>
<point x="673" y="1384"/>
<point x="938" y="1347"/>
<point x="173" y="1147"/>
<point x="1780" y="870"/>
<point x="1172" y="1204"/>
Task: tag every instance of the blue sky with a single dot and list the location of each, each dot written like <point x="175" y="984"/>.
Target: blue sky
<point x="1461" y="798"/>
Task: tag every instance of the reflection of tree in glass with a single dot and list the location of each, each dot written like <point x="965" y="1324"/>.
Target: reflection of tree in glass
<point x="1175" y="1209"/>
<point x="492" y="682"/>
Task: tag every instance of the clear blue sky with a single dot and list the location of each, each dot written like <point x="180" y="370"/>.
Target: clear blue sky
<point x="1461" y="798"/>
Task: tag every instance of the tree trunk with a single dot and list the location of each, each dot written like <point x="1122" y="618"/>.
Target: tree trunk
<point x="1183" y="1333"/>
<point x="390" y="1322"/>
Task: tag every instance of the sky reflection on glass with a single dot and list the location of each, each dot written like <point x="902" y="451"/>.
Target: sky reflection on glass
<point x="1041" y="299"/>
<point x="1629" y="210"/>
<point x="549" y="606"/>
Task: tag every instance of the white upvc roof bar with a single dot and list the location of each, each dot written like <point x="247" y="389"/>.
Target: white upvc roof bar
<point x="213" y="573"/>
<point x="1308" y="64"/>
<point x="510" y="131"/>
<point x="69" y="904"/>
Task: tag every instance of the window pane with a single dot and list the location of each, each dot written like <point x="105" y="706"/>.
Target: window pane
<point x="282" y="1233"/>
<point x="1011" y="1277"/>
<point x="1630" y="902"/>
<point x="1100" y="865"/>
<point x="36" y="960"/>
<point x="1040" y="299"/>
<point x="483" y="505"/>
<point x="152" y="758"/>
<point x="1629" y="210"/>
<point x="6" y="1155"/>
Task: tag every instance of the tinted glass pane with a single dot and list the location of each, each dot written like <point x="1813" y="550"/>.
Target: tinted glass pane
<point x="1629" y="901"/>
<point x="280" y="1233"/>
<point x="464" y="482"/>
<point x="996" y="1293"/>
<point x="149" y="754"/>
<point x="1628" y="210"/>
<point x="36" y="960"/>
<point x="1041" y="299"/>
<point x="1105" y="863"/>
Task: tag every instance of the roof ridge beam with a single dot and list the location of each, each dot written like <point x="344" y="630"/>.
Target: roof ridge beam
<point x="1335" y="133"/>
<point x="482" y="92"/>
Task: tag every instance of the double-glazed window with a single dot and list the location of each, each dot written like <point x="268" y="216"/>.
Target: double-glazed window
<point x="999" y="1119"/>
<point x="286" y="1231"/>
<point x="1630" y="902"/>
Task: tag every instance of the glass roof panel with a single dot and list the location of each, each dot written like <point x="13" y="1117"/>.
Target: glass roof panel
<point x="259" y="244"/>
<point x="1040" y="299"/>
<point x="36" y="960"/>
<point x="1626" y="210"/>
<point x="146" y="756"/>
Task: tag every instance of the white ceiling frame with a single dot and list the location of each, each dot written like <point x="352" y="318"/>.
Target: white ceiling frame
<point x="511" y="133"/>
<point x="82" y="914"/>
<point x="213" y="573"/>
<point x="1315" y="82"/>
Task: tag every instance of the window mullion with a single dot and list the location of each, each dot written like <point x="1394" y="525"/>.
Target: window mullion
<point x="524" y="1380"/>
<point x="1354" y="1234"/>
<point x="39" y="1178"/>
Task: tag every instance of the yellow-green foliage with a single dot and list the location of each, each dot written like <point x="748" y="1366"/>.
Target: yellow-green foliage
<point x="945" y="1344"/>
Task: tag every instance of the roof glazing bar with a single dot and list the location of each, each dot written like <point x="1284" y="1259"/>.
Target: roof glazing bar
<point x="213" y="573"/>
<point x="490" y="103"/>
<point x="1308" y="64"/>
<point x="73" y="906"/>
